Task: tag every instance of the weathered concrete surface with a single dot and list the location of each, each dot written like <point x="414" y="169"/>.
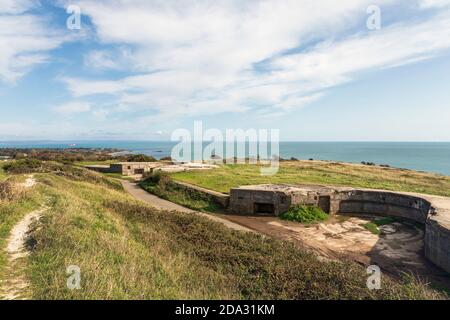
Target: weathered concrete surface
<point x="267" y="199"/>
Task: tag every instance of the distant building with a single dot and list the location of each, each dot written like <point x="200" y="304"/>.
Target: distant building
<point x="132" y="168"/>
<point x="126" y="168"/>
<point x="139" y="168"/>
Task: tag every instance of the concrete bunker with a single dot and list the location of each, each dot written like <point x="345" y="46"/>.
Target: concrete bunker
<point x="431" y="211"/>
<point x="275" y="199"/>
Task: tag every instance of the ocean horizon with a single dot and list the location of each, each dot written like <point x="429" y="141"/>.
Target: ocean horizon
<point x="422" y="156"/>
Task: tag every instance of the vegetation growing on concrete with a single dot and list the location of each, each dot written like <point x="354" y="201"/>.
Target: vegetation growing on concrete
<point x="304" y="214"/>
<point x="319" y="172"/>
<point x="374" y="225"/>
<point x="160" y="183"/>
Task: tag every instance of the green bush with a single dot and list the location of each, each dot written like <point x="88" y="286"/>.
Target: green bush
<point x="23" y="166"/>
<point x="304" y="214"/>
<point x="140" y="158"/>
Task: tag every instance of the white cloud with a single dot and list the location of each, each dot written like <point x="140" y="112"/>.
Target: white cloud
<point x="108" y="59"/>
<point x="16" y="6"/>
<point x="434" y="3"/>
<point x="206" y="57"/>
<point x="73" y="107"/>
<point x="25" y="39"/>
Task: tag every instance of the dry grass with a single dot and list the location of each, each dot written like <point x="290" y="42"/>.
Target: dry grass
<point x="320" y="172"/>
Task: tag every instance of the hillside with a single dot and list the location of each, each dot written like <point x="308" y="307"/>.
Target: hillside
<point x="128" y="250"/>
<point x="320" y="172"/>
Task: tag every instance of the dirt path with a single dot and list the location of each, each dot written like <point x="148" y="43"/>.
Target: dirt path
<point x="162" y="204"/>
<point x="15" y="284"/>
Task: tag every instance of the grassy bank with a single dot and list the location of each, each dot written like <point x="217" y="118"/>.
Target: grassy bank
<point x="319" y="172"/>
<point x="160" y="184"/>
<point x="127" y="250"/>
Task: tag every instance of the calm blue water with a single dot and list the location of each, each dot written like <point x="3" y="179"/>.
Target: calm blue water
<point x="425" y="156"/>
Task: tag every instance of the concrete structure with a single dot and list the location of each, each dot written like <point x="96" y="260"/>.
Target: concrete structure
<point x="275" y="199"/>
<point x="431" y="211"/>
<point x="133" y="168"/>
<point x="136" y="168"/>
<point x="126" y="168"/>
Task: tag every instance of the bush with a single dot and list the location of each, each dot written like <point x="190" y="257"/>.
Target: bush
<point x="140" y="158"/>
<point x="155" y="177"/>
<point x="304" y="214"/>
<point x="23" y="166"/>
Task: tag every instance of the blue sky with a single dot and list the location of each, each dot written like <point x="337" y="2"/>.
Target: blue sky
<point x="140" y="69"/>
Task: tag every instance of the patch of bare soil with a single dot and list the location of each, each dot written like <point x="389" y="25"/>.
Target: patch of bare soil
<point x="20" y="243"/>
<point x="29" y="182"/>
<point x="398" y="248"/>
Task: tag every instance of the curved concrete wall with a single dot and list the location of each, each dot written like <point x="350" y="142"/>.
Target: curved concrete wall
<point x="431" y="211"/>
<point x="385" y="203"/>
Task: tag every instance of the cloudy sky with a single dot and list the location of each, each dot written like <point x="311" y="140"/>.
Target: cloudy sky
<point x="139" y="69"/>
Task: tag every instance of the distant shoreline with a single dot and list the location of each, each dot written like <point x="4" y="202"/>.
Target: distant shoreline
<point x="431" y="157"/>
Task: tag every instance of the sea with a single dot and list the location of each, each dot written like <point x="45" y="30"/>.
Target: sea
<point x="422" y="156"/>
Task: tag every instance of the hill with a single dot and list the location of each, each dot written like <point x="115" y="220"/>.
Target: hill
<point x="127" y="250"/>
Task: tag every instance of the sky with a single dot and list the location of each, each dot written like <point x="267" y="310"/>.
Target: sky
<point x="322" y="70"/>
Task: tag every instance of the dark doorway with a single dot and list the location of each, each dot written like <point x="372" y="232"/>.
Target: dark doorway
<point x="324" y="203"/>
<point x="263" y="208"/>
<point x="138" y="171"/>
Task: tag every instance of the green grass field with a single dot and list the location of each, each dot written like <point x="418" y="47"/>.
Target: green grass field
<point x="128" y="250"/>
<point x="318" y="172"/>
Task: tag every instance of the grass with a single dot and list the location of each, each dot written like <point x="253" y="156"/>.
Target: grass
<point x="373" y="226"/>
<point x="3" y="174"/>
<point x="304" y="214"/>
<point x="11" y="212"/>
<point x="320" y="172"/>
<point x="161" y="185"/>
<point x="128" y="250"/>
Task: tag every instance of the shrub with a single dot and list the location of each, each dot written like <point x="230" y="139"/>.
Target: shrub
<point x="23" y="166"/>
<point x="304" y="214"/>
<point x="140" y="158"/>
<point x="155" y="177"/>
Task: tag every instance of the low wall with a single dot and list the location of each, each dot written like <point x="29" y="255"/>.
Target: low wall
<point x="431" y="211"/>
<point x="383" y="203"/>
<point x="220" y="198"/>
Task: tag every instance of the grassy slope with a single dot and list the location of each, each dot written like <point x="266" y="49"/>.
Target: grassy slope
<point x="10" y="214"/>
<point x="315" y="172"/>
<point x="2" y="172"/>
<point x="127" y="250"/>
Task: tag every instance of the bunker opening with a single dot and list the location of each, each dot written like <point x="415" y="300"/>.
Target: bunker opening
<point x="263" y="208"/>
